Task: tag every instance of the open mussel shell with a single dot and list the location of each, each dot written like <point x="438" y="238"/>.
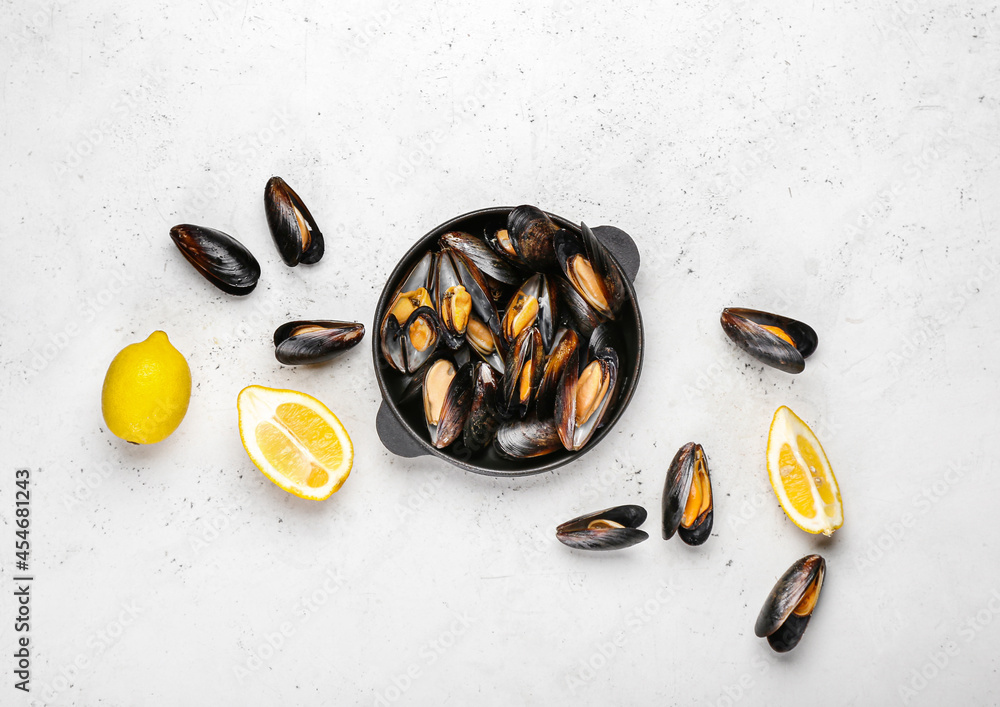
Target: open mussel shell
<point x="610" y="529"/>
<point x="574" y="309"/>
<point x="592" y="285"/>
<point x="500" y="243"/>
<point x="687" y="496"/>
<point x="789" y="606"/>
<point x="293" y="228"/>
<point x="609" y="275"/>
<point x="474" y="282"/>
<point x="483" y="419"/>
<point x="499" y="273"/>
<point x="773" y="339"/>
<point x="527" y="438"/>
<point x="407" y="347"/>
<point x="586" y="391"/>
<point x="522" y="371"/>
<point x="447" y="395"/>
<point x="530" y="231"/>
<point x="452" y="300"/>
<point x="534" y="304"/>
<point x="220" y="258"/>
<point x="566" y="343"/>
<point x="315" y="341"/>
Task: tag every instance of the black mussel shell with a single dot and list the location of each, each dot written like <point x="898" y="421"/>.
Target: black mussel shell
<point x="483" y="419"/>
<point x="687" y="464"/>
<point x="604" y="267"/>
<point x="566" y="342"/>
<point x="746" y="327"/>
<point x="220" y="258"/>
<point x="604" y="359"/>
<point x="610" y="529"/>
<point x="471" y="277"/>
<point x="455" y="406"/>
<point x="546" y="317"/>
<point x="527" y="438"/>
<point x="499" y="242"/>
<point x="425" y="318"/>
<point x="778" y="620"/>
<point x="446" y="286"/>
<point x="573" y="260"/>
<point x="293" y="228"/>
<point x="527" y="350"/>
<point x="531" y="232"/>
<point x="498" y="271"/>
<point x="574" y="309"/>
<point x="315" y="341"/>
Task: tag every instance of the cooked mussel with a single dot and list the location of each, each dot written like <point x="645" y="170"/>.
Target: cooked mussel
<point x="534" y="304"/>
<point x="567" y="341"/>
<point x="315" y="341"/>
<point x="687" y="496"/>
<point x="530" y="231"/>
<point x="220" y="258"/>
<point x="447" y="397"/>
<point x="588" y="268"/>
<point x="453" y="302"/>
<point x="500" y="243"/>
<point x="778" y="341"/>
<point x="522" y="371"/>
<point x="411" y="312"/>
<point x="485" y="343"/>
<point x="586" y="391"/>
<point x="293" y="228"/>
<point x="610" y="529"/>
<point x="483" y="418"/>
<point x="527" y="438"/>
<point x="789" y="606"/>
<point x="495" y="268"/>
<point x="574" y="309"/>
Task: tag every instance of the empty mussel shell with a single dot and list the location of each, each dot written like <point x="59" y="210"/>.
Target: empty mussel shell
<point x="789" y="606"/>
<point x="610" y="529"/>
<point x="315" y="341"/>
<point x="773" y="339"/>
<point x="687" y="496"/>
<point x="293" y="228"/>
<point x="527" y="438"/>
<point x="447" y="397"/>
<point x="220" y="258"/>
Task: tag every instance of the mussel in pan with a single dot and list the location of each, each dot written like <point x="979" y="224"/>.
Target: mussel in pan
<point x="485" y="343"/>
<point x="566" y="343"/>
<point x="447" y="396"/>
<point x="410" y="329"/>
<point x="610" y="529"/>
<point x="790" y="605"/>
<point x="483" y="418"/>
<point x="586" y="392"/>
<point x="220" y="258"/>
<point x="293" y="228"/>
<point x="315" y="341"/>
<point x="687" y="496"/>
<point x="534" y="304"/>
<point x="778" y="341"/>
<point x="527" y="438"/>
<point x="522" y="371"/>
<point x="530" y="231"/>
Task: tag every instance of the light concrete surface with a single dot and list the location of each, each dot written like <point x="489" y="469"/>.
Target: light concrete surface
<point x="836" y="162"/>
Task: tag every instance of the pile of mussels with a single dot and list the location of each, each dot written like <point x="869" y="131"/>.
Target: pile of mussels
<point x="510" y="337"/>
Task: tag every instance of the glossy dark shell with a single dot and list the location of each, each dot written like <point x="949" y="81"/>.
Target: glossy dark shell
<point x="527" y="347"/>
<point x="315" y="341"/>
<point x="527" y="438"/>
<point x="287" y="215"/>
<point x="576" y="533"/>
<point x="483" y="419"/>
<point x="600" y="259"/>
<point x="776" y="621"/>
<point x="220" y="258"/>
<point x="573" y="437"/>
<point x="455" y="410"/>
<point x="746" y="329"/>
<point x="531" y="232"/>
<point x="489" y="262"/>
<point x="677" y="489"/>
<point x="574" y="308"/>
<point x="567" y="341"/>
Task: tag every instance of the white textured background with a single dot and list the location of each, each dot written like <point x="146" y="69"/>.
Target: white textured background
<point x="832" y="161"/>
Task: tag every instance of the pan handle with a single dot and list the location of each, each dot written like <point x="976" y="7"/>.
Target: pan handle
<point x="622" y="247"/>
<point x="394" y="436"/>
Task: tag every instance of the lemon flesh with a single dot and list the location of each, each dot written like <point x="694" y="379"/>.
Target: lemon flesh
<point x="146" y="391"/>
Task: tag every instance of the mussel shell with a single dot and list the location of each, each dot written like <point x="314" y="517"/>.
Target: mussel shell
<point x="600" y="260"/>
<point x="220" y="258"/>
<point x="569" y="246"/>
<point x="676" y="491"/>
<point x="416" y="358"/>
<point x="577" y="534"/>
<point x="527" y="438"/>
<point x="391" y="343"/>
<point x="527" y="348"/>
<point x="455" y="408"/>
<point x="293" y="228"/>
<point x="574" y="308"/>
<point x="546" y="320"/>
<point x="483" y="419"/>
<point x="492" y="265"/>
<point x="566" y="342"/>
<point x="446" y="277"/>
<point x="315" y="341"/>
<point x="531" y="232"/>
<point x="475" y="284"/>
<point x="746" y="329"/>
<point x="574" y="437"/>
<point x="776" y="619"/>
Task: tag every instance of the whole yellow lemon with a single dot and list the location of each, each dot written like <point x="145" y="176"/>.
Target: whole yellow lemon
<point x="146" y="391"/>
